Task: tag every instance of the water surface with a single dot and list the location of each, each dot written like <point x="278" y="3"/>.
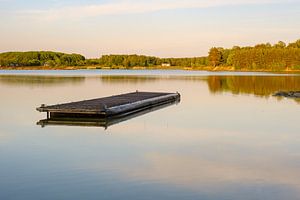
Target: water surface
<point x="228" y="138"/>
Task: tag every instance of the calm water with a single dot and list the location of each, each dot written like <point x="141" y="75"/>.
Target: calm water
<point x="228" y="138"/>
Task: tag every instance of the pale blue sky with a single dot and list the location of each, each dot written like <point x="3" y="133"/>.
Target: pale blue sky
<point x="165" y="28"/>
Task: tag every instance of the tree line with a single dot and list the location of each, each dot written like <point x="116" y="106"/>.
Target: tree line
<point x="279" y="57"/>
<point x="260" y="57"/>
<point x="40" y="58"/>
<point x="129" y="61"/>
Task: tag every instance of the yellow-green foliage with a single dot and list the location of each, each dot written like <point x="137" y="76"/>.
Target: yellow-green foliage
<point x="257" y="85"/>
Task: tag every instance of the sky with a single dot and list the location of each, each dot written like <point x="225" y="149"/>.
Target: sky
<point x="164" y="28"/>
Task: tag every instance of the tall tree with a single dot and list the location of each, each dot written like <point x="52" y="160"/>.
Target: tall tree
<point x="214" y="56"/>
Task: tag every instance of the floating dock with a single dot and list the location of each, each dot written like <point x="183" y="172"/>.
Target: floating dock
<point x="99" y="122"/>
<point x="119" y="105"/>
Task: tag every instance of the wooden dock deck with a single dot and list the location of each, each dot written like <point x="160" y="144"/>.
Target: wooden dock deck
<point x="98" y="122"/>
<point x="123" y="104"/>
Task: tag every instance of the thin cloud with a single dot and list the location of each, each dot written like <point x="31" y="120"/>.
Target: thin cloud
<point x="133" y="7"/>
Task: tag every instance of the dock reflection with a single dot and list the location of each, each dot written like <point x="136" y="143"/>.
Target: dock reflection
<point x="100" y="122"/>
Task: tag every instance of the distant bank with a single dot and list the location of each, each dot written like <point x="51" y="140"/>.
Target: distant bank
<point x="207" y="68"/>
<point x="262" y="57"/>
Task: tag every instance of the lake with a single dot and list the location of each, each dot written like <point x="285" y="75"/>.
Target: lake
<point x="228" y="138"/>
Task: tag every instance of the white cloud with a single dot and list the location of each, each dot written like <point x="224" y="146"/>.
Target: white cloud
<point x="134" y="7"/>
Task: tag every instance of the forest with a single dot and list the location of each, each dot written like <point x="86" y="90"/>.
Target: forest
<point x="40" y="58"/>
<point x="129" y="61"/>
<point x="275" y="57"/>
<point x="261" y="57"/>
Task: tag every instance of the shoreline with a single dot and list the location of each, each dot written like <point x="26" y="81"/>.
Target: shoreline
<point x="206" y="68"/>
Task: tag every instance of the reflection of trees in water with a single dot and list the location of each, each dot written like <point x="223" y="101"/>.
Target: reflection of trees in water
<point x="128" y="79"/>
<point x="19" y="80"/>
<point x="257" y="85"/>
<point x="144" y="79"/>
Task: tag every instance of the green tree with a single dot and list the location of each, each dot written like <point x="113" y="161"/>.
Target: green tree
<point x="214" y="56"/>
<point x="280" y="44"/>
